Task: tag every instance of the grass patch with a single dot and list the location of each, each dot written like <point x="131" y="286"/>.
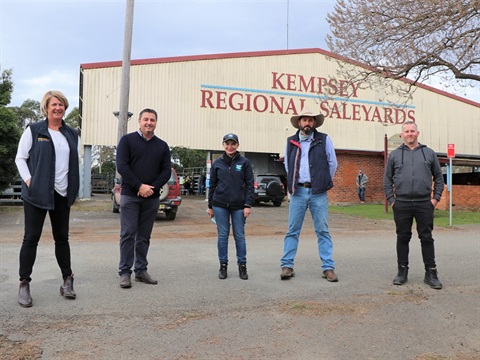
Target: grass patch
<point x="11" y="208"/>
<point x="315" y="308"/>
<point x="377" y="212"/>
<point x="88" y="205"/>
<point x="300" y="307"/>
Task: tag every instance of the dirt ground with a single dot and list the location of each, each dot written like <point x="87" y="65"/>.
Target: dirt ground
<point x="193" y="315"/>
<point x="92" y="221"/>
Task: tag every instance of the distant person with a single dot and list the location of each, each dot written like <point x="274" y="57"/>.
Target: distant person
<point x="191" y="181"/>
<point x="143" y="161"/>
<point x="407" y="184"/>
<point x="187" y="185"/>
<point x="201" y="184"/>
<point x="230" y="198"/>
<point x="361" y="181"/>
<point x="311" y="163"/>
<point x="47" y="160"/>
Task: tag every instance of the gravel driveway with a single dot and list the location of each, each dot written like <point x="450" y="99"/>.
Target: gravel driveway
<point x="191" y="314"/>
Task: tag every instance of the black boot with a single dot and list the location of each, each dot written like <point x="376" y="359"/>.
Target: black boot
<point x="24" y="297"/>
<point x="402" y="275"/>
<point x="431" y="278"/>
<point x="67" y="288"/>
<point x="242" y="271"/>
<point x="222" y="273"/>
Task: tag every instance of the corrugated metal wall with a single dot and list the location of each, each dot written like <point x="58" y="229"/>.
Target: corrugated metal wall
<point x="174" y="89"/>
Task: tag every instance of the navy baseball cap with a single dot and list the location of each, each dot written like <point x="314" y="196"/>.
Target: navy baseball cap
<point x="230" y="137"/>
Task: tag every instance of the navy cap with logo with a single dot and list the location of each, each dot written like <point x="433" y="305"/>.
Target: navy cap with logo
<point x="230" y="137"/>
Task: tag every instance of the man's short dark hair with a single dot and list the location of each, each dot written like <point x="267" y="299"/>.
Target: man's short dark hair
<point x="147" y="110"/>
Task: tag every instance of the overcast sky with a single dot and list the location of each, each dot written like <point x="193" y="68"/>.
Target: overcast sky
<point x="44" y="42"/>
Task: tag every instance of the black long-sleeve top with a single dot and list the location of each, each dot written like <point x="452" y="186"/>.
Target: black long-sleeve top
<point x="140" y="161"/>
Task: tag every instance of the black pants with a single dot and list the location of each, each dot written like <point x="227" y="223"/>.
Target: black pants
<point x="422" y="211"/>
<point x="34" y="220"/>
<point x="137" y="217"/>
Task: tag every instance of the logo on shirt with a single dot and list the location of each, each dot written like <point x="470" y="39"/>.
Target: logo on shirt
<point x="43" y="139"/>
<point x="238" y="167"/>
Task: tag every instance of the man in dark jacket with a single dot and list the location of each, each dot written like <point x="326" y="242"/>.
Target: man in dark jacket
<point x="311" y="163"/>
<point x="407" y="184"/>
<point x="143" y="161"/>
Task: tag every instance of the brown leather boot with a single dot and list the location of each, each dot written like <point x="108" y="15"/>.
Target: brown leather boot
<point x="67" y="288"/>
<point x="145" y="277"/>
<point x="125" y="281"/>
<point x="287" y="273"/>
<point x="24" y="298"/>
<point x="330" y="276"/>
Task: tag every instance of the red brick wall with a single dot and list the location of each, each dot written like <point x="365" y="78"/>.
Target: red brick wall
<point x="345" y="190"/>
<point x="465" y="197"/>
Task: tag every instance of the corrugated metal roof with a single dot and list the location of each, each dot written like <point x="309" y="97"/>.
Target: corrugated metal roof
<point x="200" y="98"/>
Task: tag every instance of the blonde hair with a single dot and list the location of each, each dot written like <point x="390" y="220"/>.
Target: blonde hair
<point x="46" y="99"/>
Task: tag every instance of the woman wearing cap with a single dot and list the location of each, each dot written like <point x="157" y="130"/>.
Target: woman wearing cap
<point x="230" y="197"/>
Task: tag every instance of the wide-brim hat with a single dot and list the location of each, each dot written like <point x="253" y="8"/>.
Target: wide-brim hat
<point x="319" y="118"/>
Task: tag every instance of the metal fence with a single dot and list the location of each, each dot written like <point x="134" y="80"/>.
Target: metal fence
<point x="102" y="183"/>
<point x="13" y="194"/>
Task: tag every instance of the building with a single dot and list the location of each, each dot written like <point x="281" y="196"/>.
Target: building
<point x="200" y="98"/>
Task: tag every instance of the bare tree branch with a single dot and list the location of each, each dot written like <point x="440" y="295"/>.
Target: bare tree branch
<point x="408" y="38"/>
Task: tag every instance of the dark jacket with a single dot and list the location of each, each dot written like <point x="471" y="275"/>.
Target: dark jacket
<point x="231" y="183"/>
<point x="317" y="157"/>
<point x="41" y="163"/>
<point x="409" y="173"/>
<point x="143" y="162"/>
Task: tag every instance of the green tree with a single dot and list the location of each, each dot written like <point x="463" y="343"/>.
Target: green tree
<point x="183" y="157"/>
<point x="104" y="157"/>
<point x="6" y="87"/>
<point x="28" y="112"/>
<point x="107" y="168"/>
<point x="408" y="38"/>
<point x="9" y="133"/>
<point x="73" y="118"/>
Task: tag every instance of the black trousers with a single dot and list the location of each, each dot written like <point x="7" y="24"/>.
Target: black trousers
<point x="137" y="217"/>
<point x="423" y="212"/>
<point x="34" y="220"/>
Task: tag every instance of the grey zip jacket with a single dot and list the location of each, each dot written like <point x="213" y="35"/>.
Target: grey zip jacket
<point x="409" y="173"/>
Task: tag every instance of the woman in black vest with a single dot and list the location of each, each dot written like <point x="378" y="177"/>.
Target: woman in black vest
<point x="47" y="160"/>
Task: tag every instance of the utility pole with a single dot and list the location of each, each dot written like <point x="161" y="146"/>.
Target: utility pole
<point x="385" y="158"/>
<point x="125" y="84"/>
<point x="288" y="14"/>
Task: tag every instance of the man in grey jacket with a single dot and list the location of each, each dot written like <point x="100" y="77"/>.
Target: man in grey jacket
<point x="407" y="184"/>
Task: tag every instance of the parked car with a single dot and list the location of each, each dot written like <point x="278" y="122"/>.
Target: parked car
<point x="170" y="198"/>
<point x="268" y="188"/>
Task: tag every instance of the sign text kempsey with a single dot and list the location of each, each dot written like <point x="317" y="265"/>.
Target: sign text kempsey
<point x="289" y="93"/>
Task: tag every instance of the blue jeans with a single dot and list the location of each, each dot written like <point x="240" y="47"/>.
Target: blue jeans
<point x="223" y="216"/>
<point x="302" y="200"/>
<point x="361" y="194"/>
<point x="137" y="216"/>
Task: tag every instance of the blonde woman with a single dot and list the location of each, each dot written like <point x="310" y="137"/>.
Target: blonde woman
<point x="47" y="160"/>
